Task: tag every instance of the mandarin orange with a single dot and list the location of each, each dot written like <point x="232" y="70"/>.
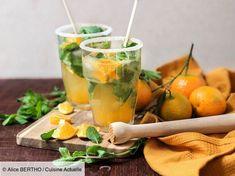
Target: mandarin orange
<point x="208" y="101"/>
<point x="185" y="84"/>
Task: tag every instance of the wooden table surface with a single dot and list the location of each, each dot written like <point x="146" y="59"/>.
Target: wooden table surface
<point x="12" y="89"/>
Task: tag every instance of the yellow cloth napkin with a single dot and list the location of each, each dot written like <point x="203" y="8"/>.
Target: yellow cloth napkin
<point x="192" y="154"/>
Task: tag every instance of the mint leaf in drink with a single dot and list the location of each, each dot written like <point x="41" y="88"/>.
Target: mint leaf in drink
<point x="91" y="88"/>
<point x="71" y="55"/>
<point x="76" y="65"/>
<point x="125" y="73"/>
<point x="100" y="55"/>
<point x="148" y="75"/>
<point x="122" y="90"/>
<point x="121" y="56"/>
<point x="100" y="45"/>
<point x="130" y="44"/>
<point x="124" y="87"/>
<point x="90" y="29"/>
<point x="93" y="135"/>
<point x="48" y="135"/>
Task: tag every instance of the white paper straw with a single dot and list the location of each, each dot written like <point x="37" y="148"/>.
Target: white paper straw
<point x="69" y="16"/>
<point x="130" y="23"/>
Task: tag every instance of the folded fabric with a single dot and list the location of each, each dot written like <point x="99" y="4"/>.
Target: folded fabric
<point x="192" y="154"/>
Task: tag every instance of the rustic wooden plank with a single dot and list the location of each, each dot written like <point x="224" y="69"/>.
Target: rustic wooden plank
<point x="30" y="136"/>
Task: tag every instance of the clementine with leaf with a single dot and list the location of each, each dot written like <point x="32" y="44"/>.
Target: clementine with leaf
<point x="185" y="84"/>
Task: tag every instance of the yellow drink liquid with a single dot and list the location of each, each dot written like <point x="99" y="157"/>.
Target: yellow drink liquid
<point x="75" y="86"/>
<point x="107" y="108"/>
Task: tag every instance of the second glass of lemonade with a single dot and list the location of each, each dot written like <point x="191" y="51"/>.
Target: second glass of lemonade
<point x="70" y="55"/>
<point x="112" y="75"/>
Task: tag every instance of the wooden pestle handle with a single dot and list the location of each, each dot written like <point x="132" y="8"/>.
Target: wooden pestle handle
<point x="207" y="125"/>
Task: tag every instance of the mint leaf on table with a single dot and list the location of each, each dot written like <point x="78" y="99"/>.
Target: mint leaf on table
<point x="33" y="106"/>
<point x="64" y="152"/>
<point x="93" y="135"/>
<point x="95" y="153"/>
<point x="48" y="135"/>
<point x="148" y="75"/>
<point x="3" y="116"/>
<point x="59" y="96"/>
<point x="21" y="119"/>
<point x="97" y="150"/>
<point x="10" y="119"/>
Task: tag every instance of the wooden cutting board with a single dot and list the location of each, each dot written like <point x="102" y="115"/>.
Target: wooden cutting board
<point x="30" y="136"/>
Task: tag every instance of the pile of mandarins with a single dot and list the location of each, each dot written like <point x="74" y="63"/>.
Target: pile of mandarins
<point x="194" y="94"/>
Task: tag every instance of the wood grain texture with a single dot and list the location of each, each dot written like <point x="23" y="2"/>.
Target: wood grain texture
<point x="10" y="90"/>
<point x="30" y="136"/>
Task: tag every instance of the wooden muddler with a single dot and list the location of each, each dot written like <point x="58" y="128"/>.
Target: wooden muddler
<point x="122" y="132"/>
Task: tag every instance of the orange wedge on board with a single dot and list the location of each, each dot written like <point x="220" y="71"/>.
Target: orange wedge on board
<point x="64" y="131"/>
<point x="81" y="130"/>
<point x="65" y="108"/>
<point x="54" y="119"/>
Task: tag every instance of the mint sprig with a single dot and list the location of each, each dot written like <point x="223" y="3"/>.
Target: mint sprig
<point x="96" y="153"/>
<point x="33" y="106"/>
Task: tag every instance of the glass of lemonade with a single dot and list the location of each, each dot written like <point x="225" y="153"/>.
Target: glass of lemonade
<point x="112" y="75"/>
<point x="70" y="55"/>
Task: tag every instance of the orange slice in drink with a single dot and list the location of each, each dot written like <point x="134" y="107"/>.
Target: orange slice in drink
<point x="71" y="40"/>
<point x="105" y="70"/>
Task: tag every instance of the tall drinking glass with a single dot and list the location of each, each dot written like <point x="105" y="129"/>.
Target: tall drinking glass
<point x="71" y="59"/>
<point x="112" y="75"/>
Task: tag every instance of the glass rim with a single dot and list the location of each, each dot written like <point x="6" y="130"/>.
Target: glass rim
<point x="110" y="50"/>
<point x="60" y="30"/>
